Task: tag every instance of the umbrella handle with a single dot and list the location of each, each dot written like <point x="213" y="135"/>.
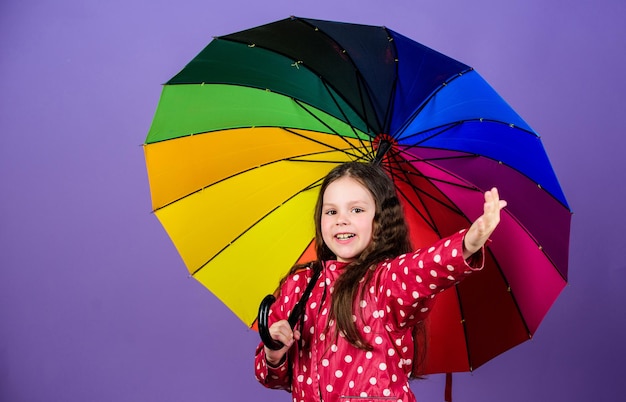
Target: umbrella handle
<point x="264" y="331"/>
<point x="296" y="313"/>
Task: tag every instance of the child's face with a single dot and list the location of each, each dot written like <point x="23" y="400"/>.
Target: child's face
<point x="348" y="211"/>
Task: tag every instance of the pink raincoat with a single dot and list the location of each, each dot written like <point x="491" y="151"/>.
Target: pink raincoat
<point x="326" y="367"/>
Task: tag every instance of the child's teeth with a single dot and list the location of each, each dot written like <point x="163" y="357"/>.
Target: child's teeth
<point x="344" y="236"/>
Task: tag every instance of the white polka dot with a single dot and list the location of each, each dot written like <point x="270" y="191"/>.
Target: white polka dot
<point x="386" y="392"/>
<point x="362" y="303"/>
<point x="334" y="348"/>
<point x="382" y="366"/>
<point x="313" y="304"/>
<point x="286" y="299"/>
<point x="418" y="279"/>
<point x="424" y="309"/>
<point x="296" y="277"/>
<point x="450" y="268"/>
<point x="403" y="286"/>
<point x="432" y="286"/>
<point x="393" y="277"/>
<point x="300" y="378"/>
<point x="415" y="294"/>
<point x="351" y="384"/>
<point x="373" y="381"/>
<point x="309" y="381"/>
<point x="398" y="341"/>
<point x="338" y="373"/>
<point x="437" y="258"/>
<point x="394" y="378"/>
<point x="406" y="270"/>
<point x="325" y="362"/>
<point x="359" y="369"/>
<point x="391" y="352"/>
<point x="433" y="273"/>
<point x="363" y="394"/>
<point x="430" y="250"/>
<point x="400" y="301"/>
<point x="378" y="340"/>
<point x="388" y="293"/>
<point x="447" y="243"/>
<point x="367" y="329"/>
<point x="375" y="314"/>
<point x="329" y="388"/>
<point x="348" y="359"/>
<point x="454" y="252"/>
<point x="368" y="355"/>
<point x="420" y="264"/>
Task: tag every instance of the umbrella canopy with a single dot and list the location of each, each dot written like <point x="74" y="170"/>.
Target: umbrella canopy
<point x="245" y="133"/>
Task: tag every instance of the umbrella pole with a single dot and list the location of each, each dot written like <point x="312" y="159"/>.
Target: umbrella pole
<point x="383" y="147"/>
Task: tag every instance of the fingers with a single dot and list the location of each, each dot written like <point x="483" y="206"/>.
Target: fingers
<point x="492" y="207"/>
<point x="484" y="226"/>
<point x="280" y="331"/>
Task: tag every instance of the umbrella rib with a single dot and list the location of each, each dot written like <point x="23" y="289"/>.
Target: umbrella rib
<point x="508" y="287"/>
<point x="344" y="139"/>
<point x="346" y="117"/>
<point x="429" y="97"/>
<point x="405" y="179"/>
<point x="301" y="104"/>
<point x="307" y="187"/>
<point x="288" y="159"/>
<point x="428" y="219"/>
<point x="390" y="101"/>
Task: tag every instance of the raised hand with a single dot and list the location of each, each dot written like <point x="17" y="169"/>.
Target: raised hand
<point x="484" y="226"/>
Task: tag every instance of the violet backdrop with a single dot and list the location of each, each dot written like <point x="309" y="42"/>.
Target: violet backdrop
<point x="96" y="305"/>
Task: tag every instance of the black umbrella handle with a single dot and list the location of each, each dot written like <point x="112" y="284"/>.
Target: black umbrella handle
<point x="264" y="331"/>
<point x="294" y="317"/>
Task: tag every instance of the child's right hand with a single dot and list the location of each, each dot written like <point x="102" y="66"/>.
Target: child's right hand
<point x="282" y="332"/>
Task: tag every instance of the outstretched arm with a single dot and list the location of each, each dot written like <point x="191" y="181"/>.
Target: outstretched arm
<point x="484" y="226"/>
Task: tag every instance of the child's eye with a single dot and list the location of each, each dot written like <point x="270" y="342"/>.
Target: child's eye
<point x="357" y="210"/>
<point x="330" y="212"/>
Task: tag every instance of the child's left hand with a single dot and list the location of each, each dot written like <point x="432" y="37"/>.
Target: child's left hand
<point x="484" y="226"/>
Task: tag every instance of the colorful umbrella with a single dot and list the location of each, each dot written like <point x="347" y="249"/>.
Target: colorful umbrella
<point x="244" y="134"/>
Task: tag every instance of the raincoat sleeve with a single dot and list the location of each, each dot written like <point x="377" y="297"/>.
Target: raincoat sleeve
<point x="290" y="292"/>
<point x="407" y="284"/>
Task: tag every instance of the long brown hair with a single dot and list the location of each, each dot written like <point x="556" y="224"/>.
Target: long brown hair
<point x="390" y="238"/>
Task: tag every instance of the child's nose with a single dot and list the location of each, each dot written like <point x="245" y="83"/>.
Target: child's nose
<point x="342" y="219"/>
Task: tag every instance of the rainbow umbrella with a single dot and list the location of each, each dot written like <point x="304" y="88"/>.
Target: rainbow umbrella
<point x="244" y="134"/>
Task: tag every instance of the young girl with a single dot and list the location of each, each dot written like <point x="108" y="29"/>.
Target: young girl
<point x="355" y="340"/>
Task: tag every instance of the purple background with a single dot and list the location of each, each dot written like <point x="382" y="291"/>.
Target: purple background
<point x="95" y="304"/>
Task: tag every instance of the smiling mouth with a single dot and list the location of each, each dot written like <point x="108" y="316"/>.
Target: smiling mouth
<point x="344" y="236"/>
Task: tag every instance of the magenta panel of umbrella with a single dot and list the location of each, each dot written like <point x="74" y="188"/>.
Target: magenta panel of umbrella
<point x="294" y="98"/>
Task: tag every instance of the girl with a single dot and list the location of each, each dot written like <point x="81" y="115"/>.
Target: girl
<point x="355" y="339"/>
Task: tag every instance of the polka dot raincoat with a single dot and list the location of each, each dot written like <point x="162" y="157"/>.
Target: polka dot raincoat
<point x="326" y="367"/>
